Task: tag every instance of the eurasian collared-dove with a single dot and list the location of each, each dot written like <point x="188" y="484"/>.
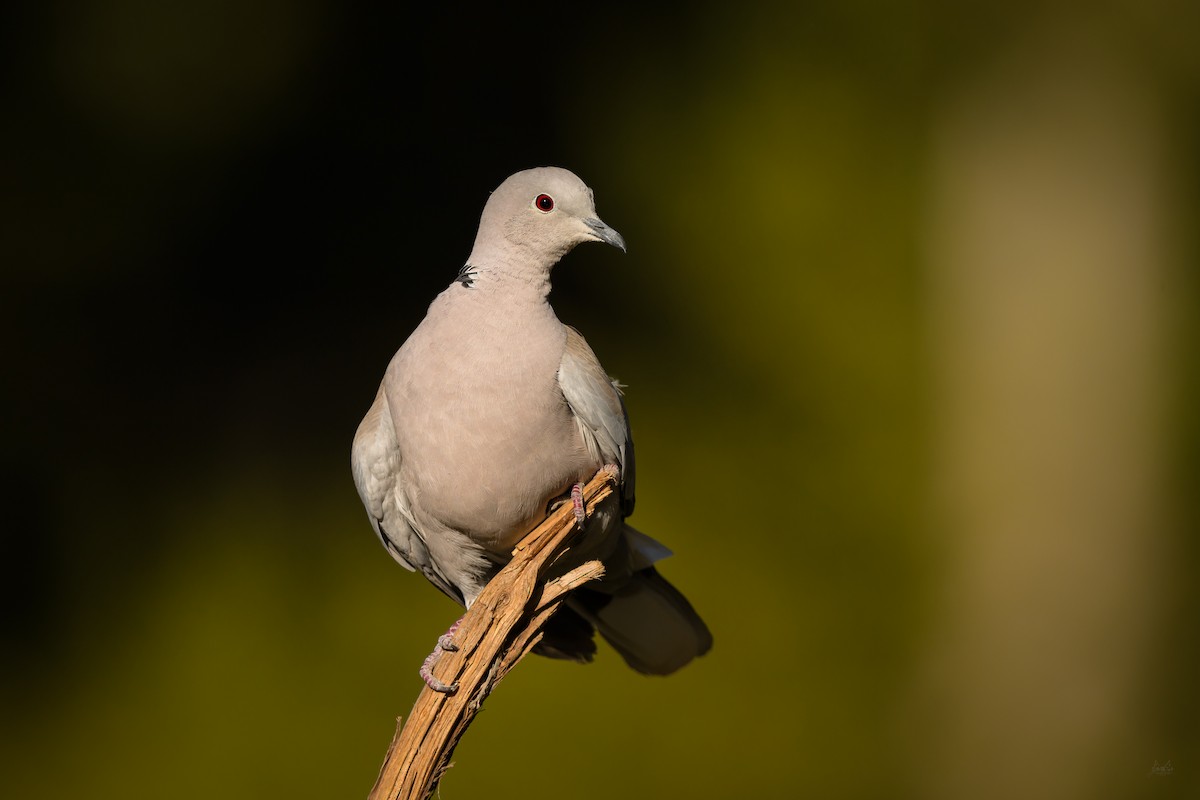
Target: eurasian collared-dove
<point x="491" y="411"/>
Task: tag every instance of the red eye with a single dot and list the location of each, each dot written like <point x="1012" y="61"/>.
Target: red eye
<point x="545" y="202"/>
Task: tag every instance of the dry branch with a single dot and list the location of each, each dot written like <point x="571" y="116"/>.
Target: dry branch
<point x="504" y="624"/>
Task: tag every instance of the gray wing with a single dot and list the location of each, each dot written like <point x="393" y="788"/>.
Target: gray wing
<point x="595" y="400"/>
<point x="375" y="460"/>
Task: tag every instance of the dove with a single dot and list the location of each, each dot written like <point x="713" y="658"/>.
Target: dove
<point x="491" y="413"/>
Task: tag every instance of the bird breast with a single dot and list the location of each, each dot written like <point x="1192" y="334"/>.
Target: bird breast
<point x="481" y="420"/>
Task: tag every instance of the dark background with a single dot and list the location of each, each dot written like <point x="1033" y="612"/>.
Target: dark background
<point x="908" y="319"/>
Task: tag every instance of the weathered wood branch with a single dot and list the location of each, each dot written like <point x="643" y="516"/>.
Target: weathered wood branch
<point x="504" y="624"/>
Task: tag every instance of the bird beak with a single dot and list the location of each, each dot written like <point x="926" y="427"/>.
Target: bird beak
<point x="605" y="234"/>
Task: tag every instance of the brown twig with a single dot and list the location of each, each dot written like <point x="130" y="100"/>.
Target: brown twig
<point x="504" y="624"/>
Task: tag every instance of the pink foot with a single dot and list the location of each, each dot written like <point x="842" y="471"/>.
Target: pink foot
<point x="577" y="504"/>
<point x="445" y="644"/>
<point x="446" y="640"/>
<point x="577" y="495"/>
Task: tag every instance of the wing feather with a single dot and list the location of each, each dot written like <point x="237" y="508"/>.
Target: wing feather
<point x="596" y="401"/>
<point x="375" y="461"/>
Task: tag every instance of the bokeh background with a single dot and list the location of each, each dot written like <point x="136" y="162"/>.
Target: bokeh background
<point x="909" y="321"/>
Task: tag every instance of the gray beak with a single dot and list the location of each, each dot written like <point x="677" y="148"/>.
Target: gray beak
<point x="606" y="234"/>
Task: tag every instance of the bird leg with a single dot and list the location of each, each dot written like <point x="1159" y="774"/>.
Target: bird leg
<point x="577" y="505"/>
<point x="577" y="495"/>
<point x="445" y="644"/>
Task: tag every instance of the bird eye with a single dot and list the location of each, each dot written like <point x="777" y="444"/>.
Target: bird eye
<point x="544" y="202"/>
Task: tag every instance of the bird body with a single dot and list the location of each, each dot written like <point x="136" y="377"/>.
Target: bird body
<point x="493" y="409"/>
<point x="501" y="377"/>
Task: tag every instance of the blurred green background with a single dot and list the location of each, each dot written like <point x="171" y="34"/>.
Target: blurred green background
<point x="909" y="321"/>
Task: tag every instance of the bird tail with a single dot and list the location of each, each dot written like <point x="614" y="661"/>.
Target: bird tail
<point x="647" y="620"/>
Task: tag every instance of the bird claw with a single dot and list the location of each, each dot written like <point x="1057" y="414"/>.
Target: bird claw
<point x="577" y="504"/>
<point x="614" y="473"/>
<point x="431" y="680"/>
<point x="445" y="644"/>
<point x="446" y="640"/>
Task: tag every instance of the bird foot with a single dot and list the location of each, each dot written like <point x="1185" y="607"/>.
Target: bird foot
<point x="431" y="680"/>
<point x="446" y="640"/>
<point x="445" y="644"/>
<point x="577" y="495"/>
<point x="577" y="505"/>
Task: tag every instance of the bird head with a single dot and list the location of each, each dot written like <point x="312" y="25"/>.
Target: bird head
<point x="535" y="218"/>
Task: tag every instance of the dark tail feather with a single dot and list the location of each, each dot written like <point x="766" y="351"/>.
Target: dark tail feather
<point x="647" y="621"/>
